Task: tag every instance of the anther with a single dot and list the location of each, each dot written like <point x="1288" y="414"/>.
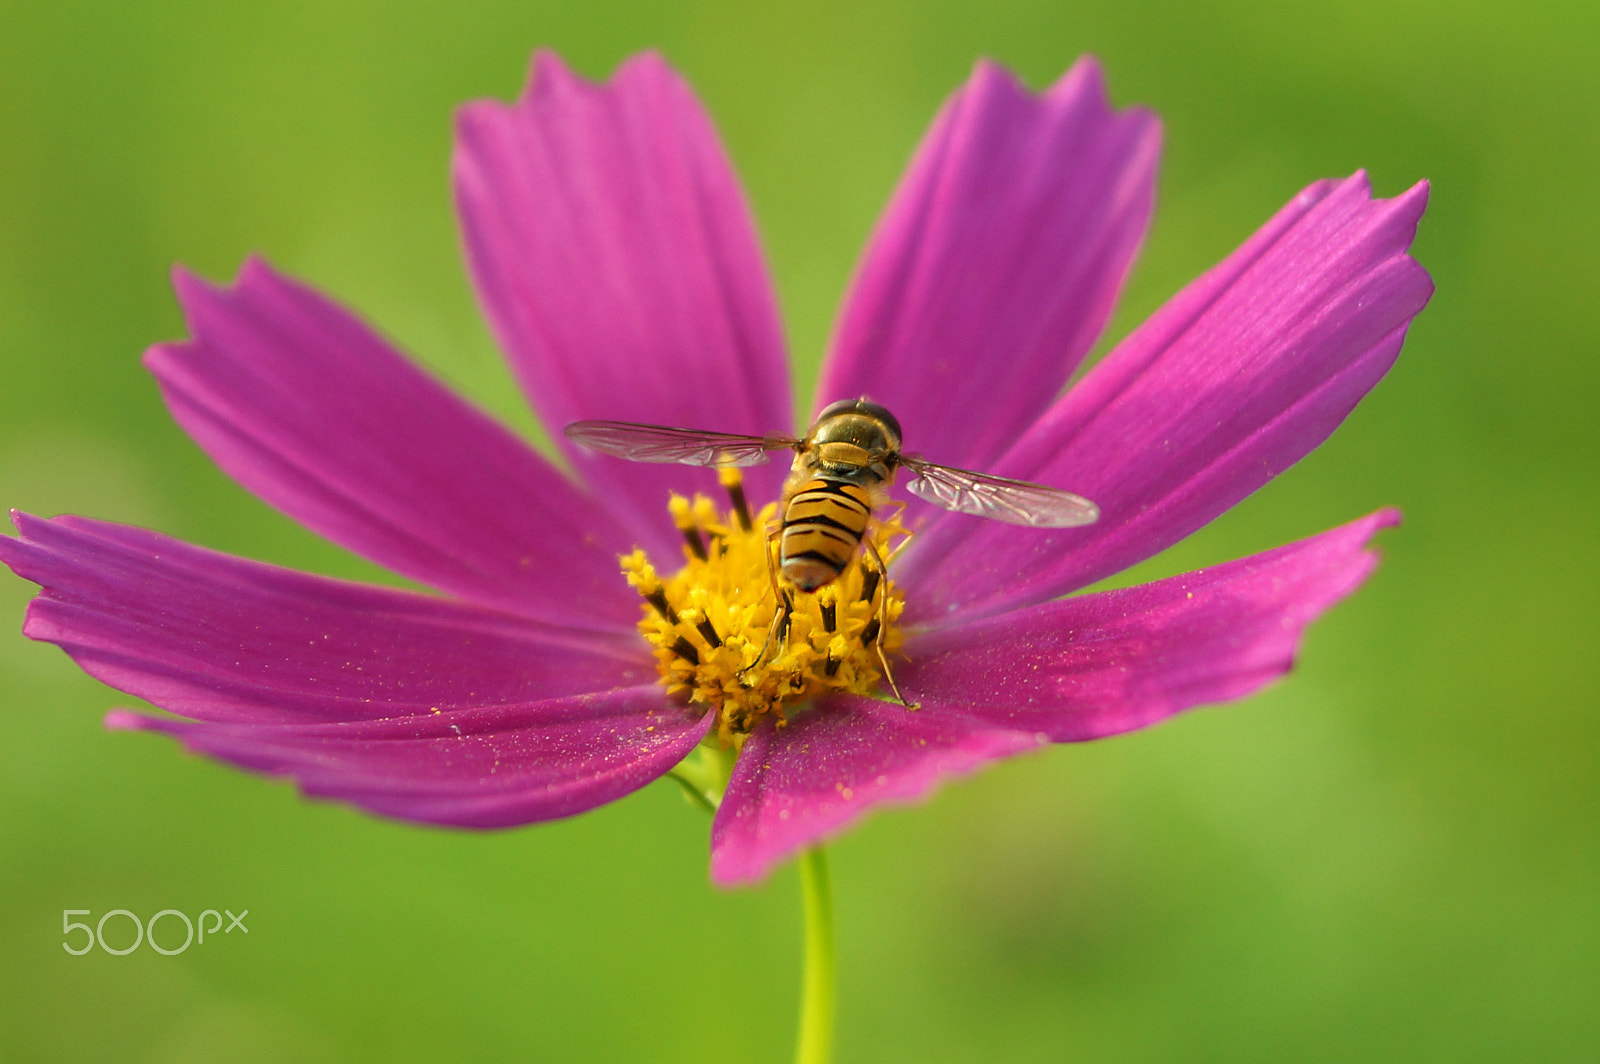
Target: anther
<point x="733" y="482"/>
<point x="658" y="599"/>
<point x="870" y="632"/>
<point x="683" y="517"/>
<point x="685" y="650"/>
<point x="869" y="582"/>
<point x="698" y="614"/>
<point x="707" y="629"/>
<point x="838" y="650"/>
<point x="830" y="617"/>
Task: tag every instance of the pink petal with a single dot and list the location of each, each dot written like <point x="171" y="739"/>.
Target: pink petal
<point x="310" y="409"/>
<point x="811" y="780"/>
<point x="1095" y="665"/>
<point x="1234" y="380"/>
<point x="997" y="262"/>
<point x="219" y="638"/>
<point x="484" y="767"/>
<point x="1081" y="668"/>
<point x="615" y="257"/>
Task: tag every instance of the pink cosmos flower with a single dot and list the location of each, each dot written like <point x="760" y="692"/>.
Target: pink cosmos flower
<point x="616" y="260"/>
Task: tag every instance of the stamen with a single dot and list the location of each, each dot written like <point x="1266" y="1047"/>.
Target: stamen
<point x="707" y="519"/>
<point x="642" y="575"/>
<point x="839" y="650"/>
<point x="726" y="636"/>
<point x="707" y="630"/>
<point x="733" y="482"/>
<point x="869" y="582"/>
<point x="683" y="517"/>
<point x="658" y="599"/>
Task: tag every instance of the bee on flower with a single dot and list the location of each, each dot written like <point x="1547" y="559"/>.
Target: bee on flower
<point x="841" y="473"/>
<point x="594" y="627"/>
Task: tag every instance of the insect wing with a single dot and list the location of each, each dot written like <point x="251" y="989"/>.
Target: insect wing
<point x="1016" y="502"/>
<point x="658" y="443"/>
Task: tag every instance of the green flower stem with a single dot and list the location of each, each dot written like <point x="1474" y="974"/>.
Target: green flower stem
<point x="704" y="774"/>
<point x="817" y="989"/>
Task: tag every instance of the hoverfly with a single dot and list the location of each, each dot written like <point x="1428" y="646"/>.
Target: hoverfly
<point x="841" y="472"/>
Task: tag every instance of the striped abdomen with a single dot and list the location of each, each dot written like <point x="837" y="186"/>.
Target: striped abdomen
<point x="822" y="525"/>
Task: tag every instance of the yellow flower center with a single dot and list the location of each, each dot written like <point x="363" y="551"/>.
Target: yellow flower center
<point x="710" y="624"/>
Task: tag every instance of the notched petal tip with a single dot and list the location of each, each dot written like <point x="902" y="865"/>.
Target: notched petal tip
<point x="20" y="552"/>
<point x="200" y="298"/>
<point x="1003" y="250"/>
<point x="316" y="411"/>
<point x="185" y="280"/>
<point x="1394" y="218"/>
<point x="27" y="523"/>
<point x="550" y="76"/>
<point x="987" y="72"/>
<point x="1231" y="382"/>
<point x="1388" y="517"/>
<point x="1088" y="67"/>
<point x="649" y="63"/>
<point x="1411" y="205"/>
<point x="548" y="73"/>
<point x="1086" y="78"/>
<point x="192" y="291"/>
<point x="604" y="228"/>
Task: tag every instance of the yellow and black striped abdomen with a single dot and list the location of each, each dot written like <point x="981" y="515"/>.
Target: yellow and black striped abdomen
<point x="822" y="526"/>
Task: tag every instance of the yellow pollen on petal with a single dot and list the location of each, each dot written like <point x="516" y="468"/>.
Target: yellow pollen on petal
<point x="708" y="624"/>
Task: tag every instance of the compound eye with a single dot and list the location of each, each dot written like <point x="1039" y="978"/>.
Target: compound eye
<point x="863" y="406"/>
<point x="843" y="406"/>
<point x="872" y="409"/>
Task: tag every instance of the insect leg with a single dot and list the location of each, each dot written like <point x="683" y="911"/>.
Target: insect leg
<point x="899" y="508"/>
<point x="780" y="616"/>
<point x="873" y="630"/>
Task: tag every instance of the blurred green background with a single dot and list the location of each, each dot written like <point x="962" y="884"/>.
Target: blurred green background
<point x="1393" y="856"/>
